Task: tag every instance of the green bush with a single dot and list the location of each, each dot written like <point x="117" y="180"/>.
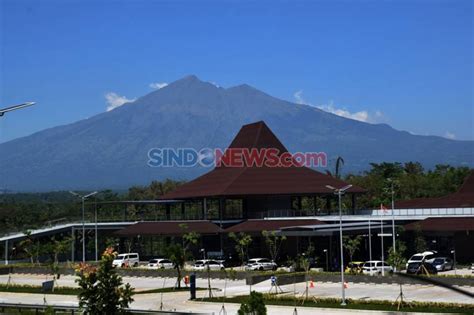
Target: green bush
<point x="102" y="289"/>
<point x="254" y="305"/>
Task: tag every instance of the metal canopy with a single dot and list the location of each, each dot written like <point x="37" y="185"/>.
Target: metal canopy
<point x="329" y="229"/>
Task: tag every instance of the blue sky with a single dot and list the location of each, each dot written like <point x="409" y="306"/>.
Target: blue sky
<point x="405" y="63"/>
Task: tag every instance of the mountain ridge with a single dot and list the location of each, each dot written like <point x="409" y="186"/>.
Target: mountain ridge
<point x="109" y="150"/>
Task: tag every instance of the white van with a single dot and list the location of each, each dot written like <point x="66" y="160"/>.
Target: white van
<point x="126" y="260"/>
<point x="427" y="257"/>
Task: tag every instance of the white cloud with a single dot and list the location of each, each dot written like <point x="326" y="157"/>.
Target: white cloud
<point x="299" y="97"/>
<point x="114" y="100"/>
<point x="363" y="115"/>
<point x="449" y="135"/>
<point x="158" y="85"/>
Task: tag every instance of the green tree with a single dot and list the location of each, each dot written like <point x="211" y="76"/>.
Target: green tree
<point x="351" y="244"/>
<point x="304" y="260"/>
<point x="242" y="242"/>
<point x="255" y="305"/>
<point x="179" y="254"/>
<point x="175" y="253"/>
<point x="102" y="289"/>
<point x="419" y="239"/>
<point x="397" y="259"/>
<point x="27" y="245"/>
<point x="273" y="242"/>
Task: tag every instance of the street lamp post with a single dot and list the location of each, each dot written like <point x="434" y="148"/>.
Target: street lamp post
<point x="83" y="198"/>
<point x="327" y="260"/>
<point x="15" y="107"/>
<point x="339" y="192"/>
<point x="454" y="260"/>
<point x="393" y="218"/>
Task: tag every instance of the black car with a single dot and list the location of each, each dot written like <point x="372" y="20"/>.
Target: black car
<point x="419" y="268"/>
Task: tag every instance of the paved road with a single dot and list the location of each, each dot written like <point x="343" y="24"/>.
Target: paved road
<point x="179" y="300"/>
<point x="151" y="301"/>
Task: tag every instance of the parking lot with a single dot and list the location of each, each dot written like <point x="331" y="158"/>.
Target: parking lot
<point x="238" y="287"/>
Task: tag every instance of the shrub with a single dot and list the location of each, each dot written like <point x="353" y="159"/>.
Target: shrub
<point x="254" y="305"/>
<point x="102" y="290"/>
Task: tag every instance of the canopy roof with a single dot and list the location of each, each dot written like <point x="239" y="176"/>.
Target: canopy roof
<point x="270" y="225"/>
<point x="253" y="180"/>
<point x="443" y="224"/>
<point x="463" y="198"/>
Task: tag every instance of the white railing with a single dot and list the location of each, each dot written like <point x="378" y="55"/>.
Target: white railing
<point x="431" y="212"/>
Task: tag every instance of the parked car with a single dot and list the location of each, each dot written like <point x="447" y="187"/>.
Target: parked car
<point x="203" y="264"/>
<point x="443" y="263"/>
<point x="375" y="267"/>
<point x="260" y="264"/>
<point x="421" y="268"/>
<point x="427" y="256"/>
<point x="354" y="267"/>
<point x="227" y="260"/>
<point x="160" y="263"/>
<point x="126" y="260"/>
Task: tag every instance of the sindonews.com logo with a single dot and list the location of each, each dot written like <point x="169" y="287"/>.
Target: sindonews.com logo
<point x="233" y="157"/>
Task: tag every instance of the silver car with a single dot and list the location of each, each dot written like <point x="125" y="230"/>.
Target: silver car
<point x="443" y="263"/>
<point x="261" y="264"/>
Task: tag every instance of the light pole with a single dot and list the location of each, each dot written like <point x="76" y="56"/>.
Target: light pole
<point x="370" y="242"/>
<point x="15" y="107"/>
<point x="327" y="260"/>
<point x="393" y="217"/>
<point x="454" y="260"/>
<point x="339" y="192"/>
<point x="83" y="198"/>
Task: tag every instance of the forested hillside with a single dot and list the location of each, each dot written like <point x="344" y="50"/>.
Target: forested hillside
<point x="19" y="212"/>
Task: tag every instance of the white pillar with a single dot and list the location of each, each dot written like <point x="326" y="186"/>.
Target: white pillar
<point x="6" y="252"/>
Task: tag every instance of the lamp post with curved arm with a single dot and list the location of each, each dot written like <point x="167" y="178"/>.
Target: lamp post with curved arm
<point x="339" y="192"/>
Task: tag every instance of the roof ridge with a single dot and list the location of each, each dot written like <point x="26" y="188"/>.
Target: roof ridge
<point x="243" y="169"/>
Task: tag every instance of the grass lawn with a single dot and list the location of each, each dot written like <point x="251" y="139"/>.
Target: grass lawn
<point x="357" y="304"/>
<point x="75" y="291"/>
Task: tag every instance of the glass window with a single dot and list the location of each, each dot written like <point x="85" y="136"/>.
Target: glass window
<point x="212" y="209"/>
<point x="233" y="209"/>
<point x="416" y="257"/>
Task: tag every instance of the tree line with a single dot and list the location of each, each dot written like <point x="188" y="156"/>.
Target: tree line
<point x="23" y="211"/>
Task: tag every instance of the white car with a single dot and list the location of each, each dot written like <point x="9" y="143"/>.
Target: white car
<point x="160" y="263"/>
<point x="126" y="260"/>
<point x="203" y="264"/>
<point x="375" y="267"/>
<point x="260" y="264"/>
<point x="427" y="256"/>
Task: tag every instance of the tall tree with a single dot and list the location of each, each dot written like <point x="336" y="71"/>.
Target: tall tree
<point x="273" y="242"/>
<point x="242" y="242"/>
<point x="352" y="244"/>
<point x="419" y="240"/>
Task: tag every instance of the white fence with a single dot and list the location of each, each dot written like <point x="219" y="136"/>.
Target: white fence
<point x="432" y="212"/>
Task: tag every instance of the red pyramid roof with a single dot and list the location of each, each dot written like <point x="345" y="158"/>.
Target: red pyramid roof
<point x="252" y="180"/>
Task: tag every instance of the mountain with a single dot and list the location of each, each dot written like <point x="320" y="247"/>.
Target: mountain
<point x="110" y="150"/>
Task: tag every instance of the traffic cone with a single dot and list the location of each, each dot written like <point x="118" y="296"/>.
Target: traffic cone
<point x="311" y="284"/>
<point x="346" y="285"/>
